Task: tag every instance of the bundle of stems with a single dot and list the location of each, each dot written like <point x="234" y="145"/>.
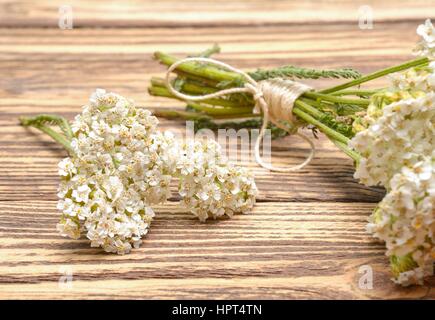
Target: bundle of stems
<point x="331" y="111"/>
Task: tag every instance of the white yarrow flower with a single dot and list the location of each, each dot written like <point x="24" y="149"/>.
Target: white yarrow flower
<point x="397" y="144"/>
<point x="402" y="133"/>
<point x="405" y="220"/>
<point x="210" y="186"/>
<point x="427" y="46"/>
<point x="116" y="173"/>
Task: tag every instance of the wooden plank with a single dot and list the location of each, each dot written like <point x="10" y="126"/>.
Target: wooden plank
<point x="190" y="12"/>
<point x="306" y="237"/>
<point x="280" y="250"/>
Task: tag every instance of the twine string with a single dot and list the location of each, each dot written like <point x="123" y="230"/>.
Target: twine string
<point x="274" y="98"/>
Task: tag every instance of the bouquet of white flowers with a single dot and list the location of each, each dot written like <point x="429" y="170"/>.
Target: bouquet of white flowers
<point x="388" y="132"/>
<point x="120" y="165"/>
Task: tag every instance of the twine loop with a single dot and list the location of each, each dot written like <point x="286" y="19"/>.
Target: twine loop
<point x="274" y="98"/>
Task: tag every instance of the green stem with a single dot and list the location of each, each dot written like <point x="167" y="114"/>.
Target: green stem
<point x="345" y="148"/>
<point x="44" y="119"/>
<point x="378" y="74"/>
<point x="189" y="86"/>
<point x="53" y="134"/>
<point x="189" y="76"/>
<point x="67" y="127"/>
<point x="230" y="106"/>
<point x="213" y="111"/>
<point x="179" y="114"/>
<point x="322" y="127"/>
<point x="356" y="92"/>
<point x="57" y="137"/>
<point x="309" y="109"/>
<point x="325" y="97"/>
<point x="210" y="51"/>
<point x="309" y="112"/>
<point x="198" y="69"/>
<point x="329" y="106"/>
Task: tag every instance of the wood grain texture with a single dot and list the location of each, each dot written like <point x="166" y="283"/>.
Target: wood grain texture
<point x="211" y="13"/>
<point x="281" y="250"/>
<point x="306" y="237"/>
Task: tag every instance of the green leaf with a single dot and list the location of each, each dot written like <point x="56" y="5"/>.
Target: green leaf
<point x="303" y="73"/>
<point x="43" y="122"/>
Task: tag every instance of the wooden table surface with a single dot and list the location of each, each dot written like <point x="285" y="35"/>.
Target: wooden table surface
<point x="306" y="236"/>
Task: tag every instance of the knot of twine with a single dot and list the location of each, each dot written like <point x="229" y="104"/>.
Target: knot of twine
<point x="274" y="98"/>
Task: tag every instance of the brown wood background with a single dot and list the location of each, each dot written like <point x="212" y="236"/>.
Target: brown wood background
<point x="305" y="238"/>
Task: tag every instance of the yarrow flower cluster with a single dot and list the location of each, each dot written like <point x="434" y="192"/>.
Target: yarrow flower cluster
<point x="209" y="185"/>
<point x="397" y="149"/>
<point x="116" y="173"/>
<point x="400" y="136"/>
<point x="415" y="80"/>
<point x="405" y="220"/>
<point x="121" y="166"/>
<point x="427" y="46"/>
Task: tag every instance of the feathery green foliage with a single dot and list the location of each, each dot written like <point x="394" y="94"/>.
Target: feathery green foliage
<point x="43" y="122"/>
<point x="303" y="73"/>
<point x="331" y="121"/>
<point x="49" y="120"/>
